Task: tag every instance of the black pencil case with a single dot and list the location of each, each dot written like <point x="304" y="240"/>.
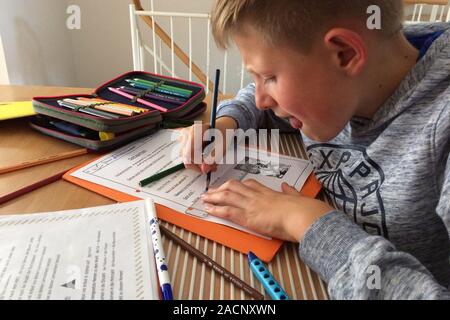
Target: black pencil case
<point x="79" y="126"/>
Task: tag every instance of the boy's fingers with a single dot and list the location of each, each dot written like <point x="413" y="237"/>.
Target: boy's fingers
<point x="205" y="168"/>
<point x="235" y="186"/>
<point x="224" y="198"/>
<point x="193" y="167"/>
<point x="255" y="185"/>
<point x="225" y="212"/>
<point x="287" y="189"/>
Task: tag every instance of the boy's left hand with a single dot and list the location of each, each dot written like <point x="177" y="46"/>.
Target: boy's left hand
<point x="284" y="215"/>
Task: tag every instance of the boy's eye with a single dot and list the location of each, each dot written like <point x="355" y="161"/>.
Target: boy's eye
<point x="269" y="80"/>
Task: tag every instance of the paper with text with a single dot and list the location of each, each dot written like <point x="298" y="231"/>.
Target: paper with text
<point x="86" y="254"/>
<point x="123" y="168"/>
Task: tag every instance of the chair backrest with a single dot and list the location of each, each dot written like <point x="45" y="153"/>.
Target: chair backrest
<point x="428" y="11"/>
<point x="180" y="45"/>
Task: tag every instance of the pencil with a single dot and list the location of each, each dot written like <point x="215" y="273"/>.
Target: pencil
<point x="31" y="187"/>
<point x="212" y="124"/>
<point x="144" y="102"/>
<point x="212" y="264"/>
<point x="46" y="159"/>
<point x="161" y="175"/>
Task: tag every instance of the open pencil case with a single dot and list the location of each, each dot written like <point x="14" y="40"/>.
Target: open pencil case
<point x="96" y="125"/>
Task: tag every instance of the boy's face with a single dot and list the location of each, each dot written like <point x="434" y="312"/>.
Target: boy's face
<point x="309" y="90"/>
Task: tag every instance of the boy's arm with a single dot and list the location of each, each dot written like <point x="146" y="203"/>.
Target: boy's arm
<point x="350" y="259"/>
<point x="243" y="110"/>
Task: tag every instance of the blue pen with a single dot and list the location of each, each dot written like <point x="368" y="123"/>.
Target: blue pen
<point x="272" y="287"/>
<point x="158" y="250"/>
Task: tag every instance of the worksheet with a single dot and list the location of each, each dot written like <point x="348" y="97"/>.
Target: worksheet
<point x="99" y="253"/>
<point x="124" y="168"/>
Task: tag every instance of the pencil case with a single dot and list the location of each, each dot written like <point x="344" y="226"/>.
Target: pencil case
<point x="95" y="125"/>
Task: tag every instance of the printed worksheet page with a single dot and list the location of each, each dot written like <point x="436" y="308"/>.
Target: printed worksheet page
<point x="100" y="253"/>
<point x="124" y="168"/>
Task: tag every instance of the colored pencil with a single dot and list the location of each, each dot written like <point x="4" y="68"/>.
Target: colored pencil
<point x="153" y="95"/>
<point x="144" y="102"/>
<point x="145" y="86"/>
<point x="46" y="159"/>
<point x="212" y="264"/>
<point x="161" y="174"/>
<point x="31" y="187"/>
<point x="163" y="86"/>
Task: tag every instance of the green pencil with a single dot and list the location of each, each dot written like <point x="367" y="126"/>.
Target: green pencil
<point x="161" y="174"/>
<point x="166" y="86"/>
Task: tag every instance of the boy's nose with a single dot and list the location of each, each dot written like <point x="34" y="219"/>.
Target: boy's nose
<point x="264" y="101"/>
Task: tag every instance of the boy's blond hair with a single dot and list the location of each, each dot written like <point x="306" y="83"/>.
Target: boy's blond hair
<point x="297" y="22"/>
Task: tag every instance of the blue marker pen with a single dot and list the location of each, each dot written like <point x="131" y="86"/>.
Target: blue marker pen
<point x="272" y="287"/>
<point x="160" y="257"/>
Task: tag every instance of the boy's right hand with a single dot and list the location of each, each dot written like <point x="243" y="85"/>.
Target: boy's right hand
<point x="189" y="148"/>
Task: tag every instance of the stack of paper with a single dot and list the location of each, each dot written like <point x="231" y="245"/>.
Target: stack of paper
<point x="89" y="254"/>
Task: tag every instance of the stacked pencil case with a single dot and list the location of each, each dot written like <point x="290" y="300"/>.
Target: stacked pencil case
<point x="126" y="108"/>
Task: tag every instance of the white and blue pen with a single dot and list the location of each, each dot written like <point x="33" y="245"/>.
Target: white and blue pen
<point x="158" y="250"/>
<point x="272" y="287"/>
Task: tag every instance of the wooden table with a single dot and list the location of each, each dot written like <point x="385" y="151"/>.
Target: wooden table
<point x="191" y="279"/>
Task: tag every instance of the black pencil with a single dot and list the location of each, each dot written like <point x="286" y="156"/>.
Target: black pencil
<point x="212" y="124"/>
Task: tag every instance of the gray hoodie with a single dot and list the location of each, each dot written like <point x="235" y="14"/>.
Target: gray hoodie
<point x="389" y="178"/>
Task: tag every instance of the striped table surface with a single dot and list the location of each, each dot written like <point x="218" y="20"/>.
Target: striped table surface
<point x="193" y="280"/>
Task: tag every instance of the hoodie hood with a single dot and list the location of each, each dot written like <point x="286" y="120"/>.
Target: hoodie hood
<point x="431" y="74"/>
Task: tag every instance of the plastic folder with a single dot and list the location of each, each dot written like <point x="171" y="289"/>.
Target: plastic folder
<point x="238" y="240"/>
<point x="17" y="109"/>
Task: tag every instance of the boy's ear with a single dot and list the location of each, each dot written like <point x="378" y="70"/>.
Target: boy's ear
<point x="348" y="50"/>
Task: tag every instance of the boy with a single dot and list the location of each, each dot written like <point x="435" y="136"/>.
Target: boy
<point x="373" y="107"/>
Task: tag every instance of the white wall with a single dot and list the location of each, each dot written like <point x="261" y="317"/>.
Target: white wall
<point x="4" y="77"/>
<point x="36" y="43"/>
<point x="40" y="49"/>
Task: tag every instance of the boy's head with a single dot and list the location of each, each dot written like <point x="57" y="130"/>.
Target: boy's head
<point x="297" y="22"/>
<point x="314" y="61"/>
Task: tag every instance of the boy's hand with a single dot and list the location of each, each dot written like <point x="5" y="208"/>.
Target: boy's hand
<point x="284" y="215"/>
<point x="189" y="148"/>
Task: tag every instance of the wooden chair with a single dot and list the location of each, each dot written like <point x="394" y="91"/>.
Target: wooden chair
<point x="428" y="11"/>
<point x="195" y="57"/>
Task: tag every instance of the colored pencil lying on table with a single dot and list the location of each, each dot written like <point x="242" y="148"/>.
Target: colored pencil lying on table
<point x="46" y="159"/>
<point x="34" y="186"/>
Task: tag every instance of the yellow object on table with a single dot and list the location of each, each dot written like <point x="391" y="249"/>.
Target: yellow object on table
<point x="16" y="109"/>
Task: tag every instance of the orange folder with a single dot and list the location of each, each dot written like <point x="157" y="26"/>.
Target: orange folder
<point x="238" y="240"/>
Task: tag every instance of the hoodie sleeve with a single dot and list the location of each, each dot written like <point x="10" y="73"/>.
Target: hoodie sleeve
<point x="243" y="110"/>
<point x="357" y="265"/>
